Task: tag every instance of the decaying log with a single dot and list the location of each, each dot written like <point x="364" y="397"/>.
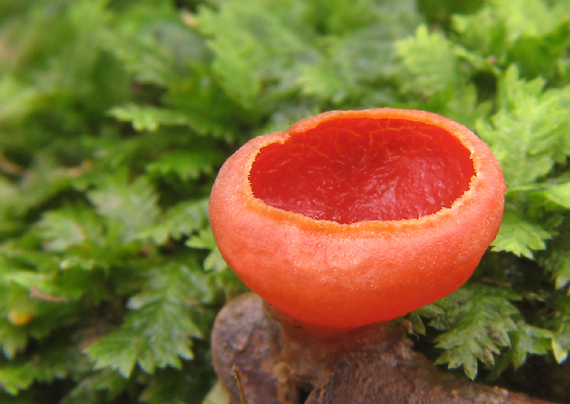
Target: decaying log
<point x="284" y="365"/>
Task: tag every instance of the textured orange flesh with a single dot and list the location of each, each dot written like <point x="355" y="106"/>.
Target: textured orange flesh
<point x="357" y="170"/>
<point x="355" y="217"/>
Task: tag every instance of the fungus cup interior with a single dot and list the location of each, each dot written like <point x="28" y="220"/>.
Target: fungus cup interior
<point x="351" y="170"/>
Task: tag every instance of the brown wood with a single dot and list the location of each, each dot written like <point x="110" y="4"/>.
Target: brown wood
<point x="371" y="365"/>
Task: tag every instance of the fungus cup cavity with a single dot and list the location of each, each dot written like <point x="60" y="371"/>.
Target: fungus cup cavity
<point x="356" y="217"/>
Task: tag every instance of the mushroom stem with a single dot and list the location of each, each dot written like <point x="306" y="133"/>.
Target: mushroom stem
<point x="294" y="326"/>
<point x="280" y="365"/>
<point x="307" y="351"/>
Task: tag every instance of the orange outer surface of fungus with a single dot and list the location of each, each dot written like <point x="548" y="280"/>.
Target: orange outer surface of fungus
<point x="356" y="217"/>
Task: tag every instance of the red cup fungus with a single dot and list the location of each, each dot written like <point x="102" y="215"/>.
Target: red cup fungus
<point x="357" y="217"/>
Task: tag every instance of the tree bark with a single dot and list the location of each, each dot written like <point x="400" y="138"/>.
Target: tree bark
<point x="279" y="364"/>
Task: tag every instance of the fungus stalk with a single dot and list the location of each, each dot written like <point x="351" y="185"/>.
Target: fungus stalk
<point x="342" y="223"/>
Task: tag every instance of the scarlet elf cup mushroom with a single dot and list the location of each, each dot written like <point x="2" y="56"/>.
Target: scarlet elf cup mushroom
<point x="351" y="218"/>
